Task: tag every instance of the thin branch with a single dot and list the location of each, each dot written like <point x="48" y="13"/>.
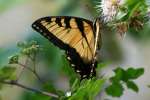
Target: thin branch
<point x="34" y="72"/>
<point x="24" y="66"/>
<point x="18" y="77"/>
<point x="34" y="67"/>
<point x="15" y="83"/>
<point x="34" y="61"/>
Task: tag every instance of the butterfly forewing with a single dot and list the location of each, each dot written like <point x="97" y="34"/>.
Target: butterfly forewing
<point x="74" y="35"/>
<point x="76" y="32"/>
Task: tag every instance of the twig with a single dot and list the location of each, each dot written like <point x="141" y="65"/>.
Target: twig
<point x="34" y="67"/>
<point x="24" y="66"/>
<point x="12" y="82"/>
<point x="18" y="77"/>
<point x="33" y="71"/>
<point x="34" y="62"/>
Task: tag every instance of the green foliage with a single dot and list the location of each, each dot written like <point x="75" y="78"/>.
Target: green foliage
<point x="87" y="90"/>
<point x="28" y="48"/>
<point x="134" y="6"/>
<point x="123" y="77"/>
<point x="130" y="7"/>
<point x="134" y="73"/>
<point x="115" y="89"/>
<point x="7" y="72"/>
<point x="132" y="85"/>
<point x="132" y="17"/>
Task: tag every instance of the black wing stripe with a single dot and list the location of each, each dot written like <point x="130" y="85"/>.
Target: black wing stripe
<point x="67" y="22"/>
<point x="81" y="28"/>
<point x="48" y="19"/>
<point x="58" y="21"/>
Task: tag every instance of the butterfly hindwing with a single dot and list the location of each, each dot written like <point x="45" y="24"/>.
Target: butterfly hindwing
<point x="74" y="35"/>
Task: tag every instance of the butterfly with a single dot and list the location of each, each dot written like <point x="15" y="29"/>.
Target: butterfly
<point x="79" y="37"/>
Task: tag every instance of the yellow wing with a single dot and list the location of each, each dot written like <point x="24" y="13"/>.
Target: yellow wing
<point x="75" y="32"/>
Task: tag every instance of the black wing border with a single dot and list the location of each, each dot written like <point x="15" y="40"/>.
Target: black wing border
<point x="76" y="60"/>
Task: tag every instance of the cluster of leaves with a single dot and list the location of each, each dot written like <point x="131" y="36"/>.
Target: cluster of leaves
<point x="132" y="15"/>
<point x="29" y="48"/>
<point x="88" y="89"/>
<point x="122" y="77"/>
<point x="7" y="72"/>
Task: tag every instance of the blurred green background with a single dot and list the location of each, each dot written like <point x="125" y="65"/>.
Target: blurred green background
<point x="16" y="17"/>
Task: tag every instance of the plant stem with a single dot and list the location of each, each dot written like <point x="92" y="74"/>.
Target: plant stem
<point x="33" y="71"/>
<point x="12" y="82"/>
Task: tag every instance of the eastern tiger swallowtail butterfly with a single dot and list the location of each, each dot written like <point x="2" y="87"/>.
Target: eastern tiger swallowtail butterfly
<point x="79" y="38"/>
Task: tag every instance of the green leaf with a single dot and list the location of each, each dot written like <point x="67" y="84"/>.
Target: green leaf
<point x="134" y="73"/>
<point x="115" y="90"/>
<point x="119" y="75"/>
<point x="88" y="90"/>
<point x="123" y="76"/>
<point x="96" y="87"/>
<point x="132" y="85"/>
<point x="75" y="85"/>
<point x="7" y="73"/>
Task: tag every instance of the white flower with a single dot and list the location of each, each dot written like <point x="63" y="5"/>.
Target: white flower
<point x="68" y="94"/>
<point x="109" y="9"/>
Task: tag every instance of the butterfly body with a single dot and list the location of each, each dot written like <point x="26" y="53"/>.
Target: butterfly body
<point x="77" y="36"/>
